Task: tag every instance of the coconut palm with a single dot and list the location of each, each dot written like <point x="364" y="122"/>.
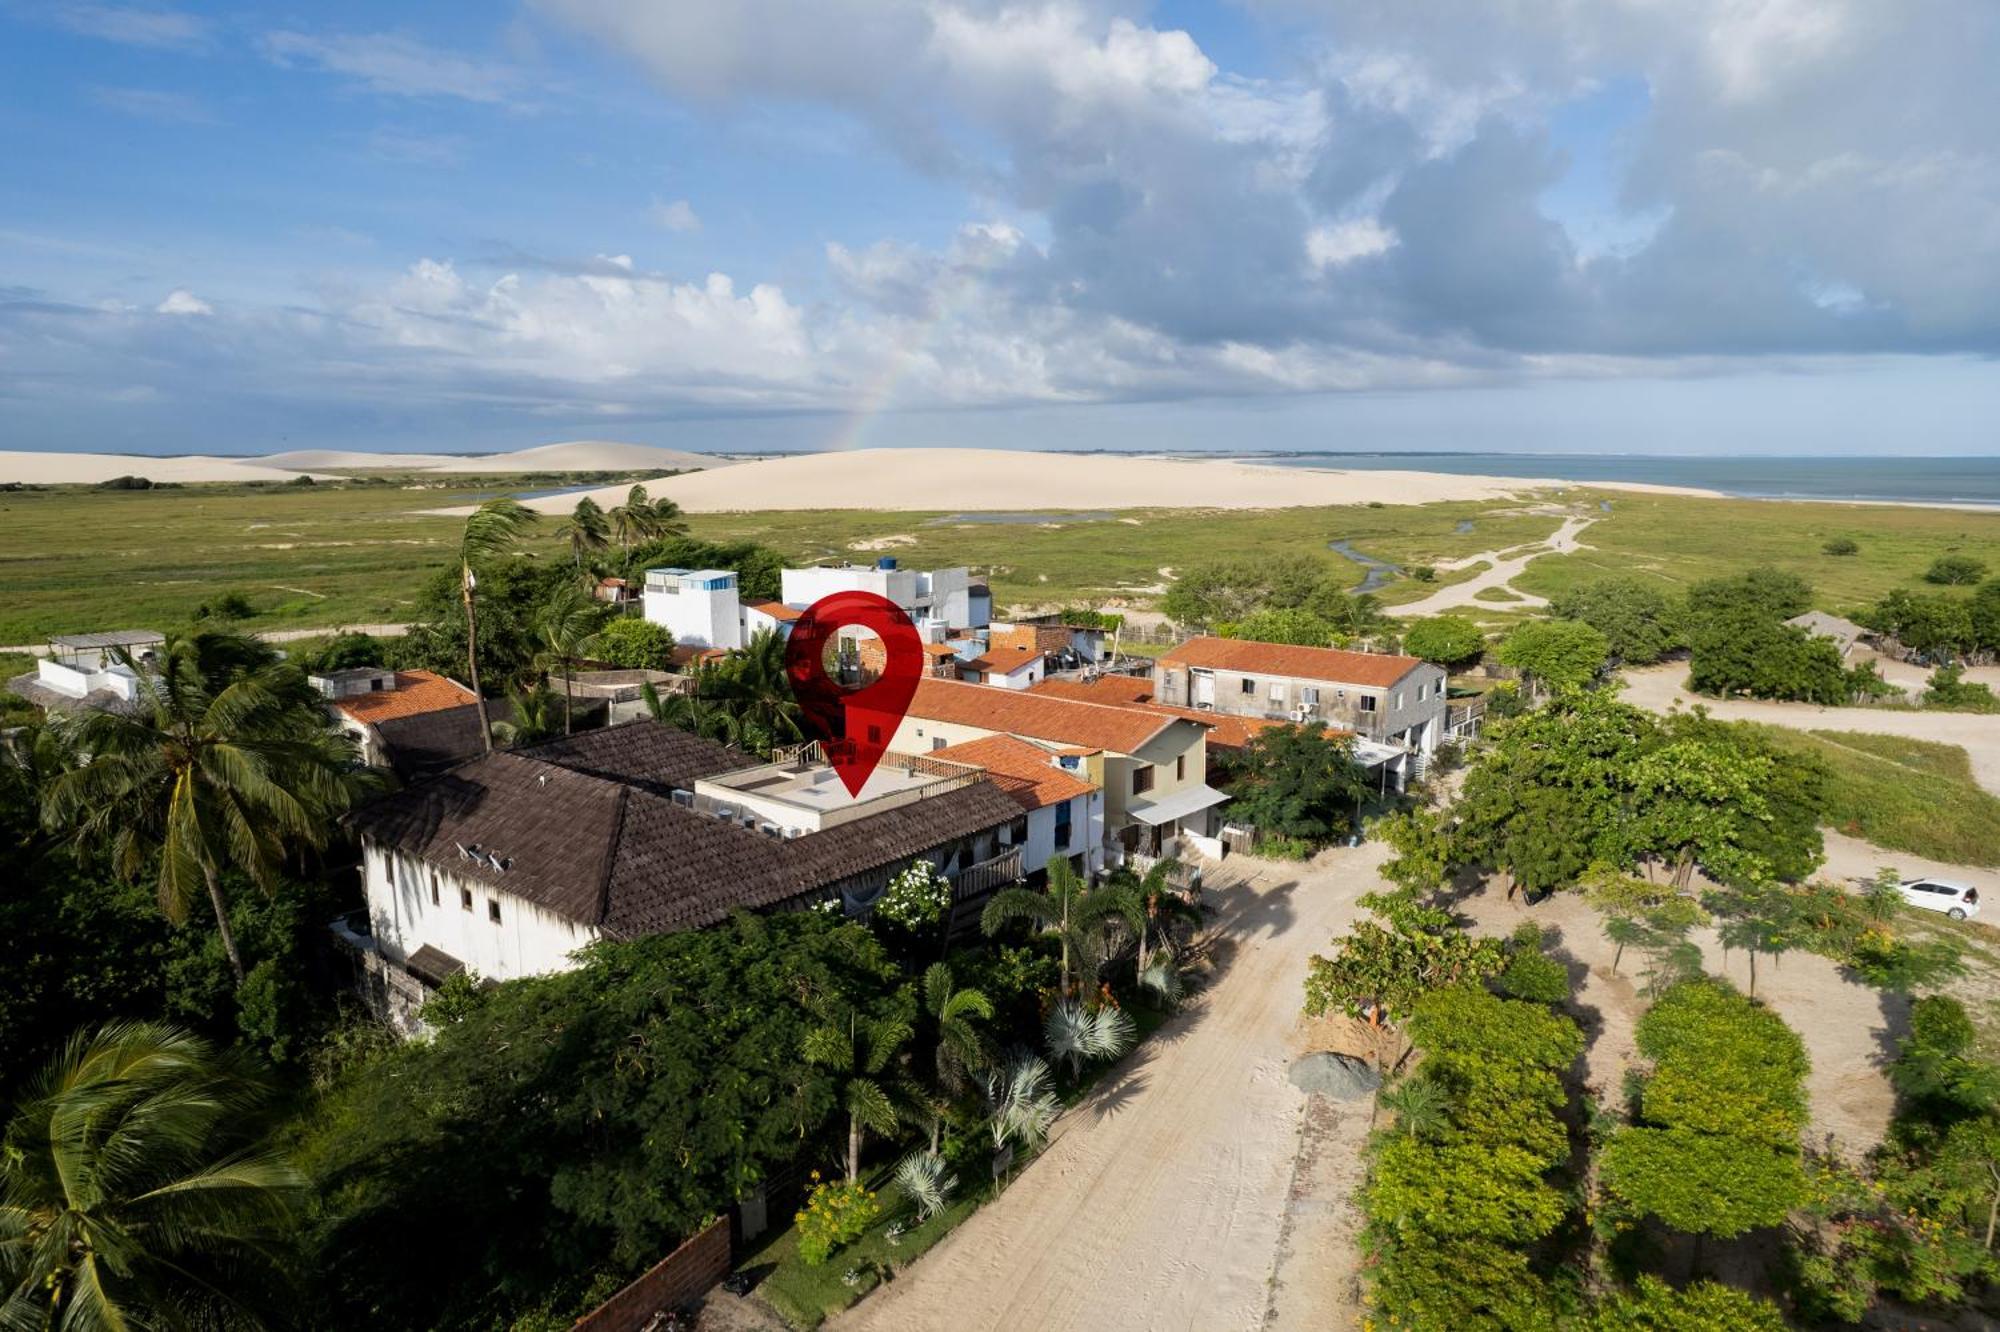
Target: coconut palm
<point x="957" y="1047"/>
<point x="753" y="688"/>
<point x="586" y="530"/>
<point x="531" y="717"/>
<point x="641" y="518"/>
<point x="861" y="1052"/>
<point x="490" y="532"/>
<point x="1075" y="1033"/>
<point x="1149" y="908"/>
<point x="566" y="627"/>
<point x="209" y="774"/>
<point x="695" y="710"/>
<point x="1065" y="910"/>
<point x="130" y="1197"/>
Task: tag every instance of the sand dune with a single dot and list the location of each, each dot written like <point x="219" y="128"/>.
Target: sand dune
<point x="341" y="460"/>
<point x="49" y="469"/>
<point x="953" y="480"/>
<point x="580" y="455"/>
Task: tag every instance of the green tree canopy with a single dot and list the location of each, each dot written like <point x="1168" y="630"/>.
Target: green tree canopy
<point x="634" y="643"/>
<point x="1640" y="621"/>
<point x="1298" y="781"/>
<point x="1556" y="654"/>
<point x="1448" y="640"/>
<point x="1773" y="593"/>
<point x="1744" y="651"/>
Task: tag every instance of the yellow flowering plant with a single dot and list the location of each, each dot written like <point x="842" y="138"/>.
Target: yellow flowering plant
<point x="835" y="1213"/>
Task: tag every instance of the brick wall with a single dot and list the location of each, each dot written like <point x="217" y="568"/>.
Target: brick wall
<point x="685" y="1274"/>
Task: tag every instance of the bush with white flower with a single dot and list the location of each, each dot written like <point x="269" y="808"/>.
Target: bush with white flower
<point x="916" y="899"/>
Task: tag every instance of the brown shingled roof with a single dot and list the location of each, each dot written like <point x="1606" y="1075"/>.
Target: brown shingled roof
<point x="1334" y="665"/>
<point x="1027" y="773"/>
<point x="1037" y="716"/>
<point x="615" y="853"/>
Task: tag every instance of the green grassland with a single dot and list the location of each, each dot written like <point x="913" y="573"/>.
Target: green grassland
<point x="1905" y="795"/>
<point x="74" y="558"/>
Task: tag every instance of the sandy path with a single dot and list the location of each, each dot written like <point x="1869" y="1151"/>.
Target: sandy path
<point x="1660" y="688"/>
<point x="1162" y="1200"/>
<point x="1562" y="542"/>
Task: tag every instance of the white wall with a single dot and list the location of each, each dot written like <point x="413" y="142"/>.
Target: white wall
<point x="757" y="622"/>
<point x="1086" y="834"/>
<point x="528" y="941"/>
<point x="701" y="617"/>
<point x="802" y="587"/>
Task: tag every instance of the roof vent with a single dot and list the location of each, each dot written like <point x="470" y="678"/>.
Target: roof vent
<point x="541" y="779"/>
<point x="469" y="852"/>
<point x="725" y="812"/>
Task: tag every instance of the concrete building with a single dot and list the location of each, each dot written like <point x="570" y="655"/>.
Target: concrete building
<point x="699" y="607"/>
<point x="1152" y="767"/>
<point x="410" y="722"/>
<point x="944" y="597"/>
<point x="507" y="864"/>
<point x="1005" y="667"/>
<point x="1065" y="810"/>
<point x="84" y="672"/>
<point x="768" y="617"/>
<point x="1385" y="700"/>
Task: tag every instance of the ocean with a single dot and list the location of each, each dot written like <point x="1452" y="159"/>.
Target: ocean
<point x="1924" y="480"/>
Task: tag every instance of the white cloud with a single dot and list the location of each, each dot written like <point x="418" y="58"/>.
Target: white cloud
<point x="395" y="64"/>
<point x="181" y="301"/>
<point x="678" y="215"/>
<point x="1342" y="243"/>
<point x="153" y="104"/>
<point x="164" y="29"/>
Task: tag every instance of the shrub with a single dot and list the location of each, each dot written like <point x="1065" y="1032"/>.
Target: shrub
<point x="1535" y="976"/>
<point x="1558" y="654"/>
<point x="916" y="898"/>
<point x="1639" y="621"/>
<point x="1424" y="573"/>
<point x="1448" y="640"/>
<point x="1841" y="546"/>
<point x="835" y="1213"/>
<point x="1955" y="570"/>
<point x="634" y="643"/>
<point x="1948" y="690"/>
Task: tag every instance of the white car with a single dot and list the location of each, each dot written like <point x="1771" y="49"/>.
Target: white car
<point x="1956" y="900"/>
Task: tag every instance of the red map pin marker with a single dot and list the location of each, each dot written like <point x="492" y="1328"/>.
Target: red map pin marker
<point x="854" y="725"/>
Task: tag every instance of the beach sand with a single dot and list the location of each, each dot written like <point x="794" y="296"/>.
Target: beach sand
<point x="988" y="480"/>
<point x="583" y="455"/>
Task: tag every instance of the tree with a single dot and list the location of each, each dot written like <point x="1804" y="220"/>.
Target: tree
<point x="1939" y="623"/>
<point x="1744" y="651"/>
<point x="567" y="627"/>
<point x="132" y="1194"/>
<point x="861" y="1051"/>
<point x="1426" y="849"/>
<point x="586" y="530"/>
<point x="641" y="518"/>
<point x="1381" y="973"/>
<point x="1075" y="1033"/>
<point x="1448" y="640"/>
<point x="1145" y="905"/>
<point x="696" y="710"/>
<point x="531" y="717"/>
<point x="1937" y="1068"/>
<point x="1983" y="617"/>
<point x="1703" y="1306"/>
<point x="1955" y="570"/>
<point x="959" y="1049"/>
<point x="1290" y="624"/>
<point x="754" y="689"/>
<point x="634" y="643"/>
<point x="1066" y="910"/>
<point x="490" y="531"/>
<point x="1557" y="654"/>
<point x="1757" y="919"/>
<point x="1299" y="782"/>
<point x="1213" y="594"/>
<point x="1640" y="622"/>
<point x="1772" y="593"/>
<point x="215" y="770"/>
<point x="1947" y="688"/>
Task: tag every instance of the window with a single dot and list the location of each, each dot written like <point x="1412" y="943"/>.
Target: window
<point x="434" y="888"/>
<point x="937" y="741"/>
<point x="389" y="866"/>
<point x="1368" y="702"/>
<point x="1180" y="767"/>
<point x="493" y="909"/>
<point x="1063" y="821"/>
<point x="465" y="899"/>
<point x="1249" y="685"/>
<point x="1142" y="779"/>
<point x="1309" y="695"/>
<point x="1277" y="692"/>
<point x="1399" y="701"/>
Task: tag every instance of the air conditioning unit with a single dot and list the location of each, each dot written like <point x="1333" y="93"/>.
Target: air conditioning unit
<point x="769" y="829"/>
<point x="683" y="798"/>
<point x="1303" y="712"/>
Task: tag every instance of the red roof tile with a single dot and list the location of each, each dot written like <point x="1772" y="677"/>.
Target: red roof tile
<point x="415" y="692"/>
<point x="1019" y="768"/>
<point x="777" y="610"/>
<point x="1136" y="691"/>
<point x="1023" y="712"/>
<point x="1333" y="665"/>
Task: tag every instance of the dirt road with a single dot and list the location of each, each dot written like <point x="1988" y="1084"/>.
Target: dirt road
<point x="268" y="635"/>
<point x="1561" y="542"/>
<point x="1660" y="688"/>
<point x="1163" y="1201"/>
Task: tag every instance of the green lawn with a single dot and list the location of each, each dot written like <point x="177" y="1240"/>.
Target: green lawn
<point x="1904" y="795"/>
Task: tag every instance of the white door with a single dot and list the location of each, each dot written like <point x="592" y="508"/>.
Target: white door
<point x="1204" y="689"/>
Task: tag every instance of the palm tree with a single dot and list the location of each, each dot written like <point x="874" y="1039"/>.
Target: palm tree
<point x="755" y="690"/>
<point x="586" y="529"/>
<point x="860" y="1050"/>
<point x="1421" y="1107"/>
<point x="1075" y="1033"/>
<point x="128" y="1195"/>
<point x="958" y="1048"/>
<point x="490" y="532"/>
<point x="1021" y="1105"/>
<point x="567" y="627"/>
<point x="209" y="774"/>
<point x="531" y="717"/>
<point x="1066" y="910"/>
<point x="695" y="711"/>
<point x="1146" y="905"/>
<point x="643" y="519"/>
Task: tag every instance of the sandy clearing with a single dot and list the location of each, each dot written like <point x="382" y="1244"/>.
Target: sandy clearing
<point x="1661" y="688"/>
<point x="1505" y="569"/>
<point x="1851" y="863"/>
<point x="975" y="480"/>
<point x="1162" y="1200"/>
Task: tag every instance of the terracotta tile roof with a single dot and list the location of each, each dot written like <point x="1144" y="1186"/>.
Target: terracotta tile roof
<point x="1021" y="769"/>
<point x="1136" y="691"/>
<point x="686" y="656"/>
<point x="1029" y="637"/>
<point x="1004" y="660"/>
<point x="777" y="610"/>
<point x="1333" y="665"/>
<point x="618" y="855"/>
<point x="941" y="649"/>
<point x="1037" y="716"/>
<point x="415" y="692"/>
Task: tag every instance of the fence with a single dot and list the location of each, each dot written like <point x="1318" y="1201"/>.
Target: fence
<point x="684" y="1275"/>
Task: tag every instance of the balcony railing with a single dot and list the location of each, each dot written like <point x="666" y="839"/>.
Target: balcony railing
<point x="987" y="876"/>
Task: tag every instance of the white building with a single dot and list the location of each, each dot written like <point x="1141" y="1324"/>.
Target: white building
<point x="945" y="597"/>
<point x="376" y="705"/>
<point x="1005" y="668"/>
<point x="1065" y="808"/>
<point x="508" y="864"/>
<point x="698" y="606"/>
<point x="768" y="617"/>
<point x="83" y="671"/>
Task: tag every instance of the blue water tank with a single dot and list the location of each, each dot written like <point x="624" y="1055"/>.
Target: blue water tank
<point x="886" y="562"/>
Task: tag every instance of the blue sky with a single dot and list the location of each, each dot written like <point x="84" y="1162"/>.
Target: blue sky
<point x="1376" y="224"/>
